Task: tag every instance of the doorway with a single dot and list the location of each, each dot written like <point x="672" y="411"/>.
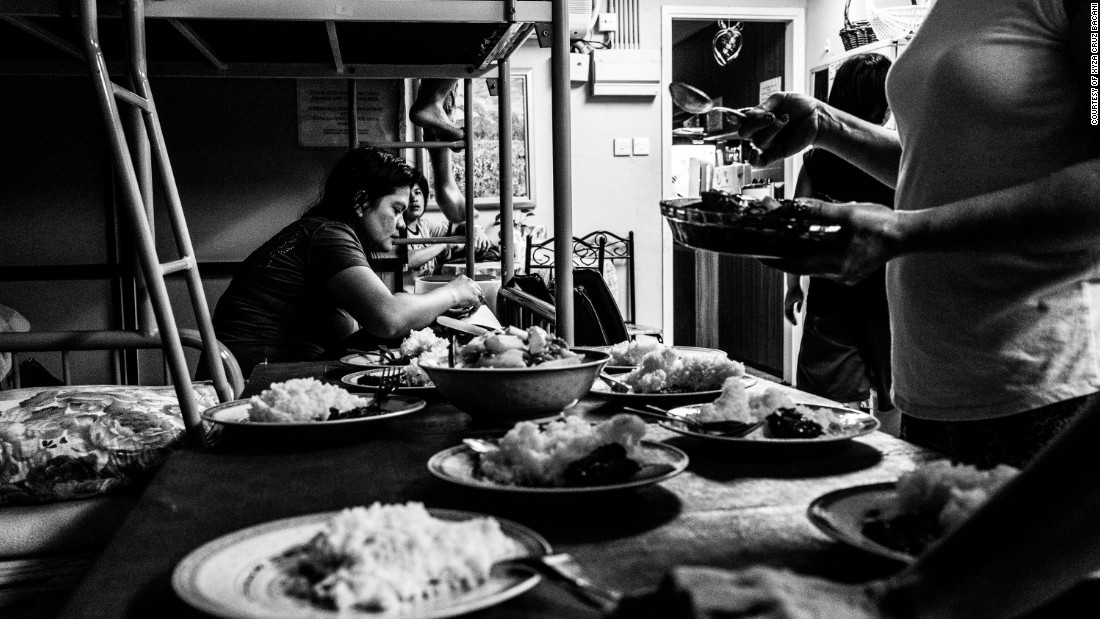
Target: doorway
<point x="720" y="301"/>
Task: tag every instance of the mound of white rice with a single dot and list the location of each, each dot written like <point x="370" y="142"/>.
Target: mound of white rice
<point x="737" y="404"/>
<point x="301" y="399"/>
<point x="388" y="557"/>
<point x="666" y="370"/>
<point x="532" y="456"/>
<point x="949" y="492"/>
<point x="732" y="405"/>
<point x="630" y="352"/>
<point x="424" y="341"/>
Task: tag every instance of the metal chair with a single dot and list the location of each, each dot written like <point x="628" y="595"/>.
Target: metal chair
<point x="526" y="301"/>
<point x="598" y="250"/>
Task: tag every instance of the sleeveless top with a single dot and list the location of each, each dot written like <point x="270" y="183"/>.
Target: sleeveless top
<point x="833" y="178"/>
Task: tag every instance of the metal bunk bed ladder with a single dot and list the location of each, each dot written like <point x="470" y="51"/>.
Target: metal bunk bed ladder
<point x="137" y="198"/>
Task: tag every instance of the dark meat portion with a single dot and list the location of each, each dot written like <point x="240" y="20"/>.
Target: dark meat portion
<point x="908" y="533"/>
<point x="788" y="423"/>
<point x="370" y="410"/>
<point x="607" y="464"/>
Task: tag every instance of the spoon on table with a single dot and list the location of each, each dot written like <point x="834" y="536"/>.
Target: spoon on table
<point x="730" y="429"/>
<point x="561" y="569"/>
<point x="481" y="445"/>
<point x="695" y="101"/>
<point x="617" y="386"/>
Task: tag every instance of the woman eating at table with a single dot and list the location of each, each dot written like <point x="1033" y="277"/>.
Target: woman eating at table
<point x="310" y="292"/>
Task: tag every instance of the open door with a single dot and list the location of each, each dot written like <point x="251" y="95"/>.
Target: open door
<point x="720" y="301"/>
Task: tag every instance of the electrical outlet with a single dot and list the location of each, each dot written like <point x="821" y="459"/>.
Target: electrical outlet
<point x="607" y="22"/>
<point x="623" y="147"/>
<point x="641" y="146"/>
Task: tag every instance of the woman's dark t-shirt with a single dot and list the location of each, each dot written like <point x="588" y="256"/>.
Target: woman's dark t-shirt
<point x="836" y="180"/>
<point x="276" y="308"/>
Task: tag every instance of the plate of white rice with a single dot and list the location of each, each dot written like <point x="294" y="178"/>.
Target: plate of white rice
<point x="920" y="507"/>
<point x="532" y="458"/>
<point x="823" y="425"/>
<point x="303" y="409"/>
<point x="399" y="560"/>
<point x="627" y="355"/>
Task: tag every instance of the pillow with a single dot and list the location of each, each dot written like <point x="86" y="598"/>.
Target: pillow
<point x="10" y="321"/>
<point x="74" y="442"/>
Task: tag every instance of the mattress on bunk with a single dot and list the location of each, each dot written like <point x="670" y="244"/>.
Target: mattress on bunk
<point x="75" y="442"/>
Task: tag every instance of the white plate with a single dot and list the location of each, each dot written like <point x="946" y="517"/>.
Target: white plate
<point x="232" y="576"/>
<point x="840" y="515"/>
<point x="369" y="359"/>
<point x="233" y="416"/>
<point x="458" y="465"/>
<point x="363" y="380"/>
<point x="664" y="400"/>
<point x="683" y="350"/>
<point x="857" y="424"/>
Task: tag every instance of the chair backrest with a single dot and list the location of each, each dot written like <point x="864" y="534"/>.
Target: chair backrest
<point x="599" y="250"/>
<point x="540" y="256"/>
<point x="527" y="301"/>
<point x="605" y="325"/>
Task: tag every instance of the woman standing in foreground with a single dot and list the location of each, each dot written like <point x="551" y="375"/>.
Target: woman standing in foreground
<point x="994" y="260"/>
<point x="993" y="250"/>
<point x="310" y="290"/>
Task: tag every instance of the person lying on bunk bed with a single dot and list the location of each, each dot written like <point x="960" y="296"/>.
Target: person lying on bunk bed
<point x="310" y="292"/>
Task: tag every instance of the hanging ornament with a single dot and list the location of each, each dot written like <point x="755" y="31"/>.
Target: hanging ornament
<point x="727" y="42"/>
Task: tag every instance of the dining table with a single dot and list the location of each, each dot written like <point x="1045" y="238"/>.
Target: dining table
<point x="730" y="508"/>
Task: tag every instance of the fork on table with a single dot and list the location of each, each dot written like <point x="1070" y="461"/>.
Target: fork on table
<point x="389" y="380"/>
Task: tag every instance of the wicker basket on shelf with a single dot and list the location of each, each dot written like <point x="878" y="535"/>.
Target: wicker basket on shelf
<point x="899" y="21"/>
<point x="855" y="33"/>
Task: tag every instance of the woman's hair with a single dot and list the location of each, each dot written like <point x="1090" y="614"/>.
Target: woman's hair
<point x="859" y="87"/>
<point x="422" y="183"/>
<point x="362" y="176"/>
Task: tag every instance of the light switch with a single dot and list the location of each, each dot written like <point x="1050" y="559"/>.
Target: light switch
<point x="623" y="147"/>
<point x="641" y="146"/>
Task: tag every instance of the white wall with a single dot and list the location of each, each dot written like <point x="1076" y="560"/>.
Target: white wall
<point x="616" y="193"/>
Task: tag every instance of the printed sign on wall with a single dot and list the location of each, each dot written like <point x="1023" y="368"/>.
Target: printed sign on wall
<point x="323" y="111"/>
<point x="770" y="87"/>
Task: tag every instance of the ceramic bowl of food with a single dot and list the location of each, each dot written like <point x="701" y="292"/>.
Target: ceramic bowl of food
<point x="518" y="393"/>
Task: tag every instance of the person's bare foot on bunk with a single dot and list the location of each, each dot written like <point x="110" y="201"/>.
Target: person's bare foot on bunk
<point x="430" y="111"/>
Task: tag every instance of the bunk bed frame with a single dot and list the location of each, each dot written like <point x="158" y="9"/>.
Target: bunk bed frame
<point x="195" y="38"/>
